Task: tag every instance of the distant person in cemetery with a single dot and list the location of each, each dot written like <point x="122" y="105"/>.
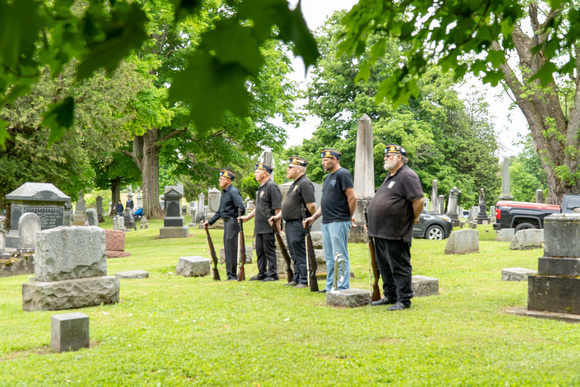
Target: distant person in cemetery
<point x="392" y="212"/>
<point x="119" y="208"/>
<point x="337" y="210"/>
<point x="268" y="201"/>
<point x="130" y="205"/>
<point x="230" y="202"/>
<point x="300" y="195"/>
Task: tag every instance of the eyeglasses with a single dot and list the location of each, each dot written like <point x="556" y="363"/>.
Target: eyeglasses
<point x="389" y="156"/>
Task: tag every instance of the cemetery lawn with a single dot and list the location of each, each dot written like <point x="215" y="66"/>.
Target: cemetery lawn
<point x="170" y="330"/>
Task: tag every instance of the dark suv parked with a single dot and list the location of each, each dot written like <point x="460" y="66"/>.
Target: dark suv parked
<point x="432" y="226"/>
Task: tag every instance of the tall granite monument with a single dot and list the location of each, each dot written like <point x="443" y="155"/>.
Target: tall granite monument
<point x="505" y="181"/>
<point x="364" y="176"/>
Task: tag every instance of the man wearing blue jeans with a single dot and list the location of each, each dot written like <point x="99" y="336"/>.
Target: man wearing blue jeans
<point x="337" y="210"/>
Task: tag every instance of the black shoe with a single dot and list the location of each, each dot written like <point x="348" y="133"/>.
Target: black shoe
<point x="322" y="291"/>
<point x="399" y="306"/>
<point x="292" y="283"/>
<point x="384" y="301"/>
<point x="269" y="279"/>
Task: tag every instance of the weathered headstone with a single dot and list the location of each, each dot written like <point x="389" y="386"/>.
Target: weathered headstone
<point x="505" y="235"/>
<point x="425" y="286"/>
<point x="556" y="288"/>
<point x="527" y="239"/>
<point x="441" y="204"/>
<point x="173" y="224"/>
<point x="516" y="274"/>
<point x="200" y="213"/>
<point x="70" y="271"/>
<point x="539" y="196"/>
<point x="28" y="228"/>
<point x="69" y="332"/>
<point x="92" y="217"/>
<point x="139" y="199"/>
<point x="143" y="223"/>
<point x="129" y="220"/>
<point x="492" y="214"/>
<point x="79" y="216"/>
<point x="505" y="181"/>
<point x="462" y="242"/>
<point x="434" y="197"/>
<point x="115" y="244"/>
<point x="452" y="206"/>
<point x="99" y="204"/>
<point x="349" y="298"/>
<point x="45" y="200"/>
<point x="364" y="177"/>
<point x="193" y="266"/>
<point x="482" y="214"/>
<point x="133" y="274"/>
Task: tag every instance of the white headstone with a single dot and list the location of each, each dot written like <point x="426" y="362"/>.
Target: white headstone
<point x="28" y="228"/>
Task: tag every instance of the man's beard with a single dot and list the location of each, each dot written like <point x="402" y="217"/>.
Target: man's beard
<point x="388" y="166"/>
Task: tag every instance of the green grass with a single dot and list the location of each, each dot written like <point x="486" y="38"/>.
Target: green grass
<point x="171" y="330"/>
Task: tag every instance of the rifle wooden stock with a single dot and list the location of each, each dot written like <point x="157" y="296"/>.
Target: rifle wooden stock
<point x="216" y="273"/>
<point x="241" y="250"/>
<point x="289" y="272"/>
<point x="373" y="263"/>
<point x="311" y="264"/>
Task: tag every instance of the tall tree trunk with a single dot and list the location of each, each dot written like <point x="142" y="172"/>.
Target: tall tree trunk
<point x="555" y="136"/>
<point x="146" y="155"/>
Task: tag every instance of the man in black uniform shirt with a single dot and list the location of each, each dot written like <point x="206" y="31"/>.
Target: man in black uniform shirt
<point x="337" y="210"/>
<point x="269" y="198"/>
<point x="230" y="201"/>
<point x="392" y="212"/>
<point x="300" y="194"/>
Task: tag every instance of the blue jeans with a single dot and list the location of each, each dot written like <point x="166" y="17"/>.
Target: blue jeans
<point x="334" y="239"/>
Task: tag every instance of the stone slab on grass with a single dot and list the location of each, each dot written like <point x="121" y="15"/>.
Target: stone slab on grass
<point x="64" y="253"/>
<point x="117" y="254"/>
<point x="505" y="235"/>
<point x="115" y="240"/>
<point x="516" y="274"/>
<point x="425" y="286"/>
<point x="462" y="242"/>
<point x="174" y="232"/>
<point x="133" y="274"/>
<point x="70" y="294"/>
<point x="194" y="266"/>
<point x="527" y="239"/>
<point x="69" y="332"/>
<point x="350" y="298"/>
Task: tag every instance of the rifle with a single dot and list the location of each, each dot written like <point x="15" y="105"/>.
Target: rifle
<point x="311" y="264"/>
<point x="372" y="263"/>
<point x="289" y="272"/>
<point x="241" y="250"/>
<point x="216" y="273"/>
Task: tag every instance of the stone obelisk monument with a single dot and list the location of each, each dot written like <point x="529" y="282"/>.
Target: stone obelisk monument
<point x="364" y="176"/>
<point x="505" y="181"/>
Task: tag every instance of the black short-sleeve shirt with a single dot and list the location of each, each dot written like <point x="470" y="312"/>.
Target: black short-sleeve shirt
<point x="390" y="211"/>
<point x="268" y="197"/>
<point x="334" y="203"/>
<point x="300" y="193"/>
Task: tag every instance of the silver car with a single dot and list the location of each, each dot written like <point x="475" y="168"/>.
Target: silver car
<point x="432" y="226"/>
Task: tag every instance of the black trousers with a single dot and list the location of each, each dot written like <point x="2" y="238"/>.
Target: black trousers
<point x="394" y="264"/>
<point x="295" y="234"/>
<point x="266" y="252"/>
<point x="231" y="231"/>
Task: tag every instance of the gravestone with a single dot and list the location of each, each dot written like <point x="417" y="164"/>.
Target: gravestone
<point x="364" y="176"/>
<point x="79" y="216"/>
<point x="70" y="271"/>
<point x="482" y="214"/>
<point x="505" y="235"/>
<point x="115" y="244"/>
<point x="213" y="204"/>
<point x="452" y="206"/>
<point x="92" y="217"/>
<point x="69" y="332"/>
<point x="43" y="199"/>
<point x="139" y="199"/>
<point x="527" y="239"/>
<point x="129" y="220"/>
<point x="434" y="197"/>
<point x="200" y="212"/>
<point x="556" y="288"/>
<point x="268" y="159"/>
<point x="132" y="274"/>
<point x="173" y="224"/>
<point x="505" y="181"/>
<point x="3" y="253"/>
<point x="28" y="227"/>
<point x="441" y="204"/>
<point x="492" y="214"/>
<point x="99" y="204"/>
<point x="539" y="196"/>
<point x="425" y="286"/>
<point x="462" y="242"/>
<point x="193" y="266"/>
<point x="143" y="223"/>
<point x="251" y="205"/>
<point x="516" y="274"/>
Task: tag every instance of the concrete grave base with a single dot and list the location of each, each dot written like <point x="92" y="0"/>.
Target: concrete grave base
<point x="559" y="266"/>
<point x="118" y="254"/>
<point x="133" y="274"/>
<point x="425" y="286"/>
<point x="462" y="242"/>
<point x="174" y="232"/>
<point x="540" y="314"/>
<point x="554" y="294"/>
<point x="516" y="274"/>
<point x="193" y="266"/>
<point x="69" y="332"/>
<point x="70" y="294"/>
<point x="527" y="239"/>
<point x="505" y="235"/>
<point x="350" y="298"/>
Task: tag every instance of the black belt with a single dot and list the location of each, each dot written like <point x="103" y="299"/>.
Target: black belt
<point x="293" y="220"/>
<point x="227" y="219"/>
